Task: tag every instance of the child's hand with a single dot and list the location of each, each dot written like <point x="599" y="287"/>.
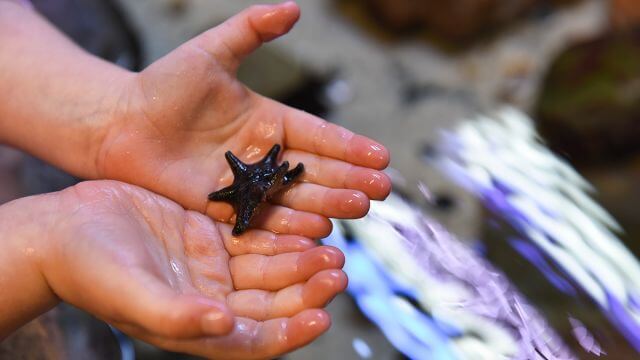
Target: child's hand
<point x="175" y="278"/>
<point x="177" y="118"/>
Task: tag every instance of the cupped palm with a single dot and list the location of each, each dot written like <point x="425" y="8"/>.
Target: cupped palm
<point x="178" y="117"/>
<point x="180" y="280"/>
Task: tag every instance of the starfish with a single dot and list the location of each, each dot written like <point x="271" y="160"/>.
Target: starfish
<point x="254" y="184"/>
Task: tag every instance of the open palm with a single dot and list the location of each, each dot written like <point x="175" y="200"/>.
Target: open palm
<point x="179" y="280"/>
<point x="178" y="117"/>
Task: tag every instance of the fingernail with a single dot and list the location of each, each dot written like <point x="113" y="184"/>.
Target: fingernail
<point x="216" y="323"/>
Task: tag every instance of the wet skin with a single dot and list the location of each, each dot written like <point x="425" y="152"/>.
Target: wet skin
<point x="168" y="276"/>
<point x="167" y="127"/>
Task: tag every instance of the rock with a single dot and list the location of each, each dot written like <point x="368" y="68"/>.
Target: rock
<point x="625" y="14"/>
<point x="452" y="20"/>
<point x="589" y="107"/>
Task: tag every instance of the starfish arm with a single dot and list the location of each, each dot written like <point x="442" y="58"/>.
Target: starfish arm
<point x="254" y="184"/>
<point x="225" y="194"/>
<point x="244" y="214"/>
<point x="293" y="174"/>
<point x="272" y="155"/>
<point x="237" y="167"/>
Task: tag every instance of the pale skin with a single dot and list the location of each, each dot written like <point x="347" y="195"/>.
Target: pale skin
<point x="171" y="277"/>
<point x="171" y="123"/>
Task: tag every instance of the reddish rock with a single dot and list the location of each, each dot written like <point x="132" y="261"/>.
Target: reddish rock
<point x="453" y="19"/>
<point x="625" y="14"/>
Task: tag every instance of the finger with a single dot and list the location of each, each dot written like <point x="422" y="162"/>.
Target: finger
<point x="233" y="40"/>
<point x="262" y="242"/>
<point x="251" y="339"/>
<point x="335" y="203"/>
<point x="289" y="221"/>
<point x="277" y="272"/>
<point x="264" y="305"/>
<point x="143" y="300"/>
<point x="278" y="219"/>
<point x="338" y="174"/>
<point x="308" y="133"/>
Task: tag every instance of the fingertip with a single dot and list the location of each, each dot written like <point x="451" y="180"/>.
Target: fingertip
<point x="324" y="280"/>
<point x="353" y="204"/>
<point x="184" y="316"/>
<point x="311" y="324"/>
<point x="217" y="322"/>
<point x="368" y="153"/>
<point x="247" y="31"/>
<point x="292" y="8"/>
<point x="379" y="156"/>
<point x="273" y="21"/>
<point x="323" y="257"/>
<point x="375" y="184"/>
<point x="323" y="287"/>
<point x="337" y="282"/>
<point x="382" y="185"/>
<point x="316" y="321"/>
<point x="340" y="279"/>
<point x="291" y="11"/>
<point x="324" y="229"/>
<point x="337" y="255"/>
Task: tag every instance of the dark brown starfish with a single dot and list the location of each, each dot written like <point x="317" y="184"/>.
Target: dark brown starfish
<point x="254" y="184"/>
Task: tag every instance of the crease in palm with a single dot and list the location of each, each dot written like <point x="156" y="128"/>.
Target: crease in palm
<point x="160" y="268"/>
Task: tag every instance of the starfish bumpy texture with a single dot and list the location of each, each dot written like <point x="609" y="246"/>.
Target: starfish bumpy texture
<point x="254" y="184"/>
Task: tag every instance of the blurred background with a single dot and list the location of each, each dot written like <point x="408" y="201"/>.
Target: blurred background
<point x="513" y="128"/>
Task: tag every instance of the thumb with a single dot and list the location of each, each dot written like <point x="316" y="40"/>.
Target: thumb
<point x="157" y="308"/>
<point x="231" y="41"/>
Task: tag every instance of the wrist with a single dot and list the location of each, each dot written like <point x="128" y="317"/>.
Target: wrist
<point x="116" y="114"/>
<point x="24" y="237"/>
<point x="61" y="97"/>
<point x="100" y="121"/>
